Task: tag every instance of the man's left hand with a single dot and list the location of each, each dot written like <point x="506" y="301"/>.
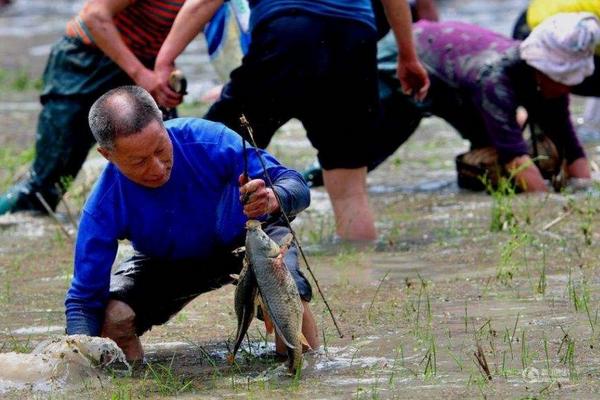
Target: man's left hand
<point x="258" y="200"/>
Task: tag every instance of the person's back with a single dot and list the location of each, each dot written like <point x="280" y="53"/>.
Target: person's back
<point x="486" y="76"/>
<point x="458" y="53"/>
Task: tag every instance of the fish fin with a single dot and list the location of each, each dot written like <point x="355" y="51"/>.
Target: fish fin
<point x="304" y="341"/>
<point x="283" y="339"/>
<point x="272" y="324"/>
<point x="281" y="336"/>
<point x="286" y="242"/>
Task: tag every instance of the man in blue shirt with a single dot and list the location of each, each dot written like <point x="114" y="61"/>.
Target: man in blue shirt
<point x="173" y="190"/>
<point x="314" y="60"/>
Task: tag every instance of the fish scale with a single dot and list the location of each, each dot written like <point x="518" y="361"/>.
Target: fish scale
<point x="278" y="290"/>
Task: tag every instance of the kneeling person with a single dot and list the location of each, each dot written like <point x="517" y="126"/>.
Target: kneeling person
<point x="172" y="190"/>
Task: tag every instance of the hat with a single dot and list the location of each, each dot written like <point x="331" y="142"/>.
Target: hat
<point x="562" y="47"/>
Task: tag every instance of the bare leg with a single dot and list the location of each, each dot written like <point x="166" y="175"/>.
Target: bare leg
<point x="309" y="330"/>
<point x="579" y="168"/>
<point x="348" y="193"/>
<point x="119" y="325"/>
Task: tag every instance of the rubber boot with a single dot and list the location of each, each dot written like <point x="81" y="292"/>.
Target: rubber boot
<point x="313" y="175"/>
<point x="63" y="141"/>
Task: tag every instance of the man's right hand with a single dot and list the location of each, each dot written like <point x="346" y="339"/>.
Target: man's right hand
<point x="413" y="78"/>
<point x="527" y="174"/>
<point x="158" y="87"/>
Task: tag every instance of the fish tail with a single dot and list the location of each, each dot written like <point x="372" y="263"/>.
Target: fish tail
<point x="295" y="360"/>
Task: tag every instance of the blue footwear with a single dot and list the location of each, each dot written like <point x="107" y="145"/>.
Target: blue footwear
<point x="8" y="202"/>
<point x="21" y="197"/>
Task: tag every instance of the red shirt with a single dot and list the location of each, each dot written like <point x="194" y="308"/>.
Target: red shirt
<point x="143" y="25"/>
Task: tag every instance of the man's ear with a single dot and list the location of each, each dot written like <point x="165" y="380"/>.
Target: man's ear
<point x="105" y="153"/>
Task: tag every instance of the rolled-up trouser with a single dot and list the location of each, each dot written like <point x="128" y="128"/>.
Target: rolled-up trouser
<point x="74" y="77"/>
<point x="157" y="289"/>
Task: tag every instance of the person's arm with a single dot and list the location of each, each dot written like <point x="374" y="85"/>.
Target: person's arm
<point x="98" y="16"/>
<point x="259" y="199"/>
<point x="291" y="189"/>
<point x="190" y="21"/>
<point x="497" y="104"/>
<point x="555" y="122"/>
<point x="426" y="9"/>
<point x="413" y="77"/>
<point x="86" y="298"/>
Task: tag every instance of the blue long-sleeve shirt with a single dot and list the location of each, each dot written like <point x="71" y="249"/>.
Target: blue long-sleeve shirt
<point x="197" y="210"/>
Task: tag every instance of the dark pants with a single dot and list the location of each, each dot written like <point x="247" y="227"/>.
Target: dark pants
<point x="75" y="76"/>
<point x="320" y="70"/>
<point x="401" y="115"/>
<point x="158" y="289"/>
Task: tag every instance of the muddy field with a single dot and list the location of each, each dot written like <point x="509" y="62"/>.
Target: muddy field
<point x="466" y="295"/>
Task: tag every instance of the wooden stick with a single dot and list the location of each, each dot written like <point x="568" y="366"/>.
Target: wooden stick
<point x="53" y="215"/>
<point x="66" y="204"/>
<point x="246" y="125"/>
<point x="557" y="220"/>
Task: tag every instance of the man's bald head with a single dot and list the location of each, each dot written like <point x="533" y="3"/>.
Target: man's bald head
<point x="121" y="112"/>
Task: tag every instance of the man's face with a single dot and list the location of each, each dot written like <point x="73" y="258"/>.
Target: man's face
<point x="145" y="157"/>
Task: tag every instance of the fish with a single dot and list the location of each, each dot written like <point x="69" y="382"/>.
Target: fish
<point x="277" y="289"/>
<point x="245" y="303"/>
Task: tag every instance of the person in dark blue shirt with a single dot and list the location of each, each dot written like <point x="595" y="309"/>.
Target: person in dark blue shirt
<point x="314" y="60"/>
<point x="173" y="190"/>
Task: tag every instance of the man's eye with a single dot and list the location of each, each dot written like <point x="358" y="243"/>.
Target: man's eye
<point x="139" y="163"/>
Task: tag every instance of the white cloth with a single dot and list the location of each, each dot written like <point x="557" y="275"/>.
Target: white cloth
<point x="562" y="47"/>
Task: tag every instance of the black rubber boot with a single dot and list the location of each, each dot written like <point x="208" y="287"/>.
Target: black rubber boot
<point x="63" y="141"/>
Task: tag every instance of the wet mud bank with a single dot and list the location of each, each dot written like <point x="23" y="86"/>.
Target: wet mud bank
<point x="442" y="305"/>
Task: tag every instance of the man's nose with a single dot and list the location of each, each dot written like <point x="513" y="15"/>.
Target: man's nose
<point x="157" y="167"/>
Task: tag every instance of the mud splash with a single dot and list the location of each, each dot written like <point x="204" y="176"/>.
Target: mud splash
<point x="60" y="363"/>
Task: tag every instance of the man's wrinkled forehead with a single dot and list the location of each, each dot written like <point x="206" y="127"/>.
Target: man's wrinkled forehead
<point x="144" y="143"/>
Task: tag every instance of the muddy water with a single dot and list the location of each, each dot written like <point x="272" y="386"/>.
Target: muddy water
<point x="438" y="288"/>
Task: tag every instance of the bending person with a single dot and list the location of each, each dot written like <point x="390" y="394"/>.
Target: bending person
<point x="174" y="191"/>
<point x="540" y="10"/>
<point x="299" y="48"/>
<point x="480" y="74"/>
